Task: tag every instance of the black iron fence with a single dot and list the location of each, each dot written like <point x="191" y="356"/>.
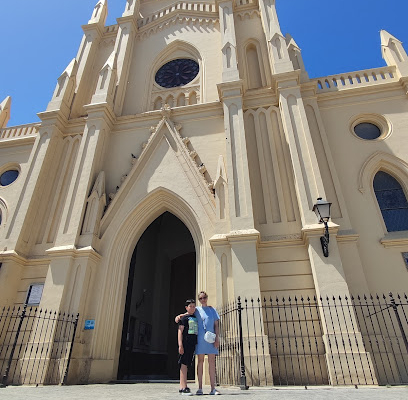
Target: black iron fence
<point x="314" y="341"/>
<point x="35" y="345"/>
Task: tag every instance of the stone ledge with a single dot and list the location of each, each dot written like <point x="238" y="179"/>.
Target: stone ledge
<point x="395" y="239"/>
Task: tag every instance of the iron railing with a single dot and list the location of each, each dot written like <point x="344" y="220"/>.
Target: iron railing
<point x="314" y="341"/>
<point x="35" y="345"/>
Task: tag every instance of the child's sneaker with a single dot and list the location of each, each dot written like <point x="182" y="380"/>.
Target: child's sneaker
<point x="199" y="392"/>
<point x="186" y="392"/>
<point x="214" y="392"/>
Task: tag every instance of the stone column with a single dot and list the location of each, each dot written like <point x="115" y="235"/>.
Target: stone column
<point x="236" y="175"/>
<point x="124" y="48"/>
<point x="328" y="273"/>
<point x="10" y="275"/>
<point x="88" y="50"/>
<point x="87" y="167"/>
<point x="235" y="245"/>
<point x="20" y="230"/>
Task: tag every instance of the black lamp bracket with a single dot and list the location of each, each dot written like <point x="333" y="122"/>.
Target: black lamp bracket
<point x="324" y="240"/>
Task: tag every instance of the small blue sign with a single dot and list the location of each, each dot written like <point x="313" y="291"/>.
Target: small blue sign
<point x="89" y="324"/>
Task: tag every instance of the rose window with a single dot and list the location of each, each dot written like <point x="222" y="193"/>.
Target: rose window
<point x="177" y="73"/>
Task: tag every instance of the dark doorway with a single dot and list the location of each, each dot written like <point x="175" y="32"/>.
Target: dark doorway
<point x="162" y="276"/>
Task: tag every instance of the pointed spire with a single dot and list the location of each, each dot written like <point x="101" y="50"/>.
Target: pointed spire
<point x="386" y="37"/>
<point x="5" y="111"/>
<point x="221" y="175"/>
<point x="64" y="90"/>
<point x="394" y="53"/>
<point x="71" y="69"/>
<point x="107" y="80"/>
<point x="221" y="191"/>
<point x="131" y="8"/>
<point x="99" y="14"/>
<point x="111" y="61"/>
<point x="277" y="47"/>
<point x="295" y="55"/>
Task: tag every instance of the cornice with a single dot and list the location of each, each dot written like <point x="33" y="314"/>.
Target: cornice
<point x="179" y="18"/>
<point x="230" y="90"/>
<point x="19" y="141"/>
<point x="53" y="118"/>
<point x="73" y="252"/>
<point x="94" y="27"/>
<point x="289" y="240"/>
<point x="13" y="256"/>
<point x="264" y="97"/>
<point x="245" y="235"/>
<point x="100" y="111"/>
<point x="128" y="19"/>
<point x="317" y="230"/>
<point x="286" y="80"/>
<point x="187" y="113"/>
<point x="395" y="239"/>
<point x="347" y="236"/>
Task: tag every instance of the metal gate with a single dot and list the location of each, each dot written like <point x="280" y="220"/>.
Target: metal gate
<point x="35" y="345"/>
<point x="314" y="341"/>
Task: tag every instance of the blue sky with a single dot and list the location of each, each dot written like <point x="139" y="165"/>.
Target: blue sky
<point x="40" y="37"/>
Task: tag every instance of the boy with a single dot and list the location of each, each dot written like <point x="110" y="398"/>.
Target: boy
<point x="187" y="340"/>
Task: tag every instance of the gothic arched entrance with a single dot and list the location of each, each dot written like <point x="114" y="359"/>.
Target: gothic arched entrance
<point x="162" y="276"/>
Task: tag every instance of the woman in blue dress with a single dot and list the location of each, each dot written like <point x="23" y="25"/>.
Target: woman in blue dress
<point x="207" y="318"/>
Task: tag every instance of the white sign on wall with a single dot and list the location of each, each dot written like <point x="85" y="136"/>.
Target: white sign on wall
<point x="34" y="294"/>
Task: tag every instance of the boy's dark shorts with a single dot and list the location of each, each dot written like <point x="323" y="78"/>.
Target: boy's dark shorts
<point x="188" y="357"/>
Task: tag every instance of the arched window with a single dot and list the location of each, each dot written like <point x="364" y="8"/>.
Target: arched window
<point x="392" y="201"/>
<point x="254" y="71"/>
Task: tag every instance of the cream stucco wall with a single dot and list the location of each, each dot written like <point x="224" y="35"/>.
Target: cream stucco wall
<point x="240" y="163"/>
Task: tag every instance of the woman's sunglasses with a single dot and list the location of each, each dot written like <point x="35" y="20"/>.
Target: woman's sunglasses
<point x="203" y="298"/>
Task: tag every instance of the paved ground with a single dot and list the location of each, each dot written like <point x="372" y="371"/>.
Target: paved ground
<point x="147" y="391"/>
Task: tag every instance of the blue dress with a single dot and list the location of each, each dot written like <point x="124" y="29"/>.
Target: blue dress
<point x="205" y="316"/>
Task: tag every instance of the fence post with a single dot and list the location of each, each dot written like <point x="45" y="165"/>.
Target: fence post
<point x="64" y="381"/>
<point x="10" y="360"/>
<point x="395" y="308"/>
<point x="243" y="381"/>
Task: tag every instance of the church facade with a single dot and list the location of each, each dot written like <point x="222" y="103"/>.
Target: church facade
<point x="184" y="149"/>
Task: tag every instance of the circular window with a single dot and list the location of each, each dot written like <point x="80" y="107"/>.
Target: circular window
<point x="177" y="73"/>
<point x="367" y="131"/>
<point x="8" y="177"/>
<point x="370" y="127"/>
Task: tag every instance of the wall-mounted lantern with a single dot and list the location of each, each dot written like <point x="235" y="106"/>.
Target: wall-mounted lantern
<point x="322" y="210"/>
